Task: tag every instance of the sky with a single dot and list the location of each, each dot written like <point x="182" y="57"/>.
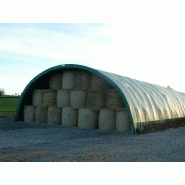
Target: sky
<point x="146" y="42"/>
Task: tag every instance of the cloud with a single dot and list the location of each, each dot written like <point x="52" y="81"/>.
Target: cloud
<point x="15" y="79"/>
<point x="9" y="83"/>
<point x="53" y="45"/>
<point x="135" y="47"/>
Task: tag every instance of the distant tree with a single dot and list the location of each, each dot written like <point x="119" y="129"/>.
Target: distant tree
<point x="1" y="92"/>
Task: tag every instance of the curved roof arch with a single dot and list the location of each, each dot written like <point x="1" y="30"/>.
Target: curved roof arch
<point x="145" y="102"/>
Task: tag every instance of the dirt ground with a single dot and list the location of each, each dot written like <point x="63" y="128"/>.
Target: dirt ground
<point x="6" y="115"/>
<point x="30" y="142"/>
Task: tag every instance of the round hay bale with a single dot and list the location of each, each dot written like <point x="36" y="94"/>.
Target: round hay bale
<point x="69" y="117"/>
<point x="54" y="116"/>
<point x="107" y="120"/>
<point x="68" y="80"/>
<point x="114" y="100"/>
<point x="49" y="98"/>
<point x="122" y="121"/>
<point x="37" y="97"/>
<point x="55" y="82"/>
<point x="41" y="114"/>
<point x="121" y="109"/>
<point x="63" y="97"/>
<point x="87" y="119"/>
<point x="78" y="99"/>
<point x="98" y="84"/>
<point x="96" y="101"/>
<point x="82" y="80"/>
<point x="29" y="113"/>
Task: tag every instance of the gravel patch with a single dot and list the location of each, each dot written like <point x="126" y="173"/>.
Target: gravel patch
<point x="33" y="142"/>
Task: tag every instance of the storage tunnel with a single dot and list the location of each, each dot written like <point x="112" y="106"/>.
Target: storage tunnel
<point x="79" y="96"/>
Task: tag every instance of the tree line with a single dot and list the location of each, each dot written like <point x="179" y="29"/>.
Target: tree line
<point x="2" y="93"/>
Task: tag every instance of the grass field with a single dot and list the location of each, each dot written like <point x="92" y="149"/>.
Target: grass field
<point x="8" y="105"/>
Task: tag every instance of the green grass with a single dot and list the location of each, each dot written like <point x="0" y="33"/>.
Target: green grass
<point x="8" y="105"/>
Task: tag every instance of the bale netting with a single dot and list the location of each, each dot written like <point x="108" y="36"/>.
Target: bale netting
<point x="107" y="120"/>
<point x="63" y="98"/>
<point x="49" y="98"/>
<point x="41" y="114"/>
<point x="37" y="98"/>
<point x="114" y="101"/>
<point x="78" y="99"/>
<point x="55" y="81"/>
<point x="29" y="113"/>
<point x="68" y="80"/>
<point x="87" y="119"/>
<point x="122" y="121"/>
<point x="96" y="100"/>
<point x="54" y="116"/>
<point x="69" y="117"/>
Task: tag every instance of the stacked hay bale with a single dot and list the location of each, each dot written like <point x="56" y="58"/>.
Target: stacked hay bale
<point x="54" y="116"/>
<point x="88" y="119"/>
<point x="29" y="113"/>
<point x="78" y="99"/>
<point x="107" y="120"/>
<point x="41" y="114"/>
<point x="69" y="117"/>
<point x="122" y="120"/>
<point x="63" y="97"/>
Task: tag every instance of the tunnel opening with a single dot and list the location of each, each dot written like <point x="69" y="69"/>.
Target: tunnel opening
<point x="74" y="97"/>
